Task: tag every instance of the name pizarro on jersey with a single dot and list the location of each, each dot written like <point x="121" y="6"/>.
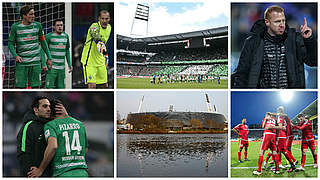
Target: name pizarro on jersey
<point x="70" y="126"/>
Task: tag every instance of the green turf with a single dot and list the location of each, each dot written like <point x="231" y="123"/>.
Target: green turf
<point x="144" y="83"/>
<point x="253" y="152"/>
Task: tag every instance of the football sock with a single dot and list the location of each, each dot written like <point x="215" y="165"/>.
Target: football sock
<point x="275" y="158"/>
<point x="303" y="160"/>
<point x="268" y="156"/>
<point x="260" y="162"/>
<point x="315" y="157"/>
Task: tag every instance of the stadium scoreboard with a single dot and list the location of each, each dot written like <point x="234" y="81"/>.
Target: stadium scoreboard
<point x="197" y="42"/>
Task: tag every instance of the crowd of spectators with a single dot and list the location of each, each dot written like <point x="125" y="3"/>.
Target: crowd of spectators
<point x="134" y="70"/>
<point x="190" y="55"/>
<point x="126" y="58"/>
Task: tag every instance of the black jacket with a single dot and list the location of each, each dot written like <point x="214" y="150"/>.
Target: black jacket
<point x="31" y="144"/>
<point x="298" y="52"/>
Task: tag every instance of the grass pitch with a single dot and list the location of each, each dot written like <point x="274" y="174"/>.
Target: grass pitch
<point x="246" y="168"/>
<point x="144" y="83"/>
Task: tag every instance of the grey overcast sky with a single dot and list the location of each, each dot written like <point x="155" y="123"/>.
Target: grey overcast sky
<point x="156" y="101"/>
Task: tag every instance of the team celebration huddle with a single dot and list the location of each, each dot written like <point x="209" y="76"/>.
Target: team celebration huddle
<point x="278" y="138"/>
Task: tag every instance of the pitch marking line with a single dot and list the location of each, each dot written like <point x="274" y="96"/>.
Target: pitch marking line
<point x="257" y="167"/>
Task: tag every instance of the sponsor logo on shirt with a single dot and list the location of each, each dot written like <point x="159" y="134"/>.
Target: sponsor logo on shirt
<point x="47" y="133"/>
<point x="29" y="37"/>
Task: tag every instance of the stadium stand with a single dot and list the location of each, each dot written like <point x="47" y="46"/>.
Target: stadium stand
<point x="174" y="54"/>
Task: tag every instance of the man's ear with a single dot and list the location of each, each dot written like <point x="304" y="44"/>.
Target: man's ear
<point x="267" y="22"/>
<point x="35" y="110"/>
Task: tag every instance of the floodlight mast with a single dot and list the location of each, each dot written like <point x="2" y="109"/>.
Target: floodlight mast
<point x="208" y="103"/>
<point x="140" y="104"/>
<point x="142" y="13"/>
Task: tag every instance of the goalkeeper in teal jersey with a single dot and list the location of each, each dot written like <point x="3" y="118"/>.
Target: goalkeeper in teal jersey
<point x="23" y="44"/>
<point x="67" y="147"/>
<point x="94" y="52"/>
<point x="59" y="46"/>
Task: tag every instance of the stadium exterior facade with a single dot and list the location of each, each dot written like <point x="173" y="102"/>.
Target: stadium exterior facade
<point x="183" y="120"/>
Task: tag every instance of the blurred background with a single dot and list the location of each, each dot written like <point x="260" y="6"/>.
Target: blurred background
<point x="94" y="109"/>
<point x="243" y="16"/>
<point x="83" y="15"/>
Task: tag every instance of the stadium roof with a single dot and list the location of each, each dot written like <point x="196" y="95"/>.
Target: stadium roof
<point x="311" y="110"/>
<point x="214" y="32"/>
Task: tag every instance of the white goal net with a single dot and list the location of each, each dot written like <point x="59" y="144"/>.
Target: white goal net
<point x="45" y="13"/>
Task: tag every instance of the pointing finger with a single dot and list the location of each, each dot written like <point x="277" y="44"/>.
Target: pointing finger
<point x="305" y="21"/>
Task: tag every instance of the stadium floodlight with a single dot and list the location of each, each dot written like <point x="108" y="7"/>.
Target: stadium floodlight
<point x="142" y="14"/>
<point x="286" y="96"/>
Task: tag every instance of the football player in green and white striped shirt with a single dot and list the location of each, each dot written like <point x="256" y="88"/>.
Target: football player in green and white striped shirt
<point x="67" y="147"/>
<point x="59" y="46"/>
<point x="23" y="44"/>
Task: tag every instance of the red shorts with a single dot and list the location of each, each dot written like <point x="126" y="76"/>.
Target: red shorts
<point x="308" y="143"/>
<point x="282" y="144"/>
<point x="289" y="141"/>
<point x="243" y="143"/>
<point x="268" y="142"/>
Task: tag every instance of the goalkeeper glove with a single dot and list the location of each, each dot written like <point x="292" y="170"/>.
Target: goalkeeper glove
<point x="101" y="47"/>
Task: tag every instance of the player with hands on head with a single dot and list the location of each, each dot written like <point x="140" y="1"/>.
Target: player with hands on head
<point x="242" y="130"/>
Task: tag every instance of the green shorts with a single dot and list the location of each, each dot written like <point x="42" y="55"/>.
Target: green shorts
<point x="75" y="173"/>
<point x="98" y="75"/>
<point x="27" y="74"/>
<point x="55" y="79"/>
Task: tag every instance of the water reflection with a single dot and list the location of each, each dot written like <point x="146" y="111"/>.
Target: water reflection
<point x="172" y="155"/>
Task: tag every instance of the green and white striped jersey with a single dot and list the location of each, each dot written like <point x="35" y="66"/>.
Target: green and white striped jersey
<point x="59" y="46"/>
<point x="72" y="142"/>
<point x="27" y="38"/>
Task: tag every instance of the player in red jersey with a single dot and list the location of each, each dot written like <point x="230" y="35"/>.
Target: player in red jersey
<point x="289" y="141"/>
<point x="242" y="130"/>
<point x="268" y="141"/>
<point x="305" y="125"/>
<point x="290" y="138"/>
<point x="282" y="120"/>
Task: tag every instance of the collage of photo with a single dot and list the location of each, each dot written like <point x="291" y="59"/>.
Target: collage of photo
<point x="194" y="89"/>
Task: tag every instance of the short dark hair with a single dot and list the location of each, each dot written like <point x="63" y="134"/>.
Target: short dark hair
<point x="303" y="115"/>
<point x="103" y="12"/>
<point x="24" y="10"/>
<point x="53" y="104"/>
<point x="35" y="102"/>
<point x="57" y="20"/>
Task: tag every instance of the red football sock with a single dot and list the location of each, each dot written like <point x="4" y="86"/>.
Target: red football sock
<point x="268" y="156"/>
<point x="303" y="160"/>
<point x="288" y="157"/>
<point x="279" y="158"/>
<point x="275" y="158"/>
<point x="315" y="157"/>
<point x="245" y="154"/>
<point x="260" y="162"/>
<point x="239" y="156"/>
<point x="291" y="156"/>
